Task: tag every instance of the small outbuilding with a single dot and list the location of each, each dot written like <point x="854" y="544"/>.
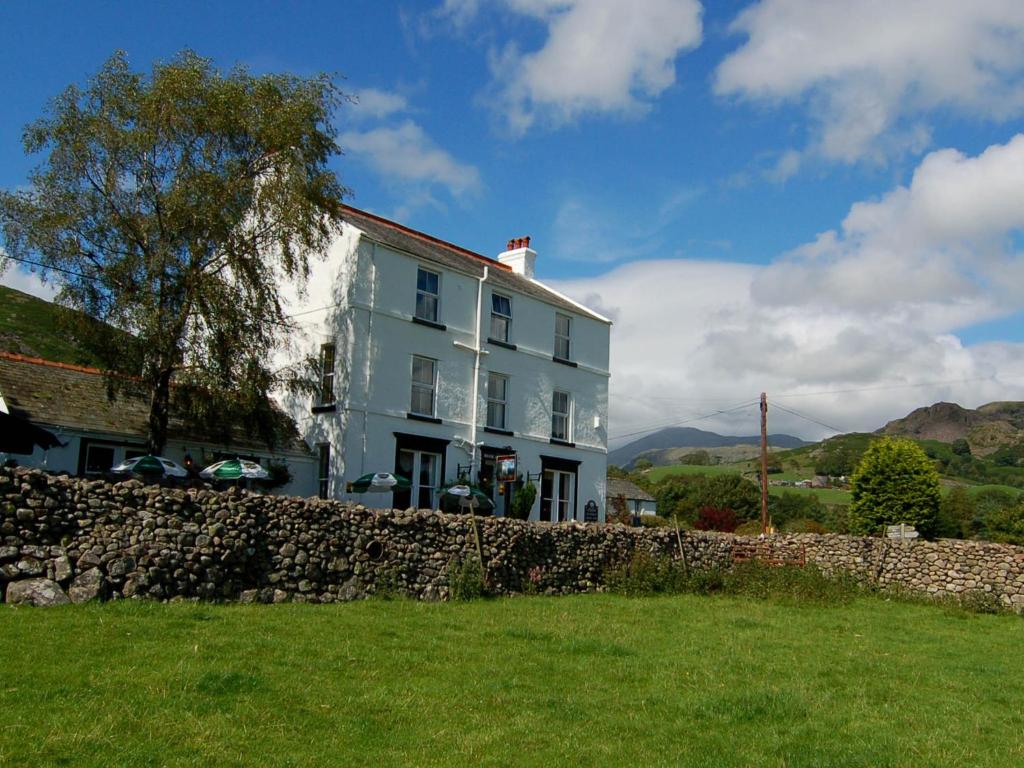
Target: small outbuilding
<point x="638" y="501"/>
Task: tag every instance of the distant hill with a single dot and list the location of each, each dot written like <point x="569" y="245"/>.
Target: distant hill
<point x="986" y="429"/>
<point x="31" y="326"/>
<point x="673" y="438"/>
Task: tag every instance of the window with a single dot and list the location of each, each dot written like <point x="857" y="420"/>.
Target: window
<point x="423" y="385"/>
<point x="427" y="294"/>
<point x="501" y="316"/>
<point x="561" y="403"/>
<point x="326" y="374"/>
<point x="421" y="468"/>
<point x="556" y="496"/>
<point x="563" y="327"/>
<point x="497" y="389"/>
<point x="98" y="459"/>
<point x="324" y="469"/>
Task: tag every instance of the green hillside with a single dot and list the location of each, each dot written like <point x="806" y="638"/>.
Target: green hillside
<point x="31" y="326"/>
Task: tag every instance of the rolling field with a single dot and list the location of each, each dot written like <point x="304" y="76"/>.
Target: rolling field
<point x="589" y="680"/>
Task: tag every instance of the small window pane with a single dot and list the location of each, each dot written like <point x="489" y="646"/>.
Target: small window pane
<point x="422" y="399"/>
<point x="326" y="374"/>
<point x="427" y="295"/>
<point x="501" y="305"/>
<point x="563" y="326"/>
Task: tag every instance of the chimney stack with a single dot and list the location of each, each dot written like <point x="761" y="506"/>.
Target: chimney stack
<point x="519" y="256"/>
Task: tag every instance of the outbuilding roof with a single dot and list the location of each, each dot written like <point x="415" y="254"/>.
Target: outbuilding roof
<point x="75" y="397"/>
<point x="619" y="487"/>
<point x="424" y="246"/>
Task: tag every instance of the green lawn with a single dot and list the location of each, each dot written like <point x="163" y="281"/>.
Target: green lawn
<point x="590" y="680"/>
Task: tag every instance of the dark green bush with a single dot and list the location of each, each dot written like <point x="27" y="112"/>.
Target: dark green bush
<point x="646" y="574"/>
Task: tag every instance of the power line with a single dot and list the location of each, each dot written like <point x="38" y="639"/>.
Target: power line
<point x="684" y="421"/>
<point x="809" y="418"/>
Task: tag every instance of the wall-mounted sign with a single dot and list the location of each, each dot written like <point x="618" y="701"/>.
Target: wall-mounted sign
<point x="590" y="512"/>
<point x="505" y="468"/>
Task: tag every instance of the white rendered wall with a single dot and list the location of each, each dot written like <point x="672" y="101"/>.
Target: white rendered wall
<point x="362" y="298"/>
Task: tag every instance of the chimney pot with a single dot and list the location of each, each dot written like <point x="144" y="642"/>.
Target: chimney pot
<point x="510" y="245"/>
<point x="526" y="241"/>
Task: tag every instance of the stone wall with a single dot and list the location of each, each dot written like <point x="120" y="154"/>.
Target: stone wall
<point x="71" y="539"/>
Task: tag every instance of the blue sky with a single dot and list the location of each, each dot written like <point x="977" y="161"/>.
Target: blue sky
<point x="799" y="197"/>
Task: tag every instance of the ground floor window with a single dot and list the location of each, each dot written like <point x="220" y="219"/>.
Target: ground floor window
<point x="324" y="470"/>
<point x="422" y="461"/>
<point x="422" y="470"/>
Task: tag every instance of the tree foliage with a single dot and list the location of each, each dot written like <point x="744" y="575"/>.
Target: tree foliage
<point x="895" y="482"/>
<point x="685" y="495"/>
<point x="171" y="206"/>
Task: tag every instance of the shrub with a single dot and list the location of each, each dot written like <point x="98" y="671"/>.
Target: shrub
<point x="655" y="521"/>
<point x="522" y="502"/>
<point x="645" y="574"/>
<point x="895" y="482"/>
<point x="716" y="519"/>
<point x="618" y="511"/>
<point x="466" y="579"/>
<point x="791" y="583"/>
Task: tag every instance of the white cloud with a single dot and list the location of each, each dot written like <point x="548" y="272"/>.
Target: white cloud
<point x="870" y="69"/>
<point x="600" y="56"/>
<point x="868" y="312"/>
<point x="27" y="282"/>
<point x="373" y="103"/>
<point x="405" y="153"/>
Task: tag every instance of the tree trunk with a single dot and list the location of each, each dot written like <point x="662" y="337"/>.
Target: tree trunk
<point x="159" y="409"/>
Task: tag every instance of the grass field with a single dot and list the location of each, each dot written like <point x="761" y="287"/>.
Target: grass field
<point x="591" y="680"/>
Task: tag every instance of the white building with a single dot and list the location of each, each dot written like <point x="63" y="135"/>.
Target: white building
<point x="429" y="350"/>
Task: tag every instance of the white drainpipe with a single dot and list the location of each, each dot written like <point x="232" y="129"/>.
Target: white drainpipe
<point x="369" y="352"/>
<point x="476" y="373"/>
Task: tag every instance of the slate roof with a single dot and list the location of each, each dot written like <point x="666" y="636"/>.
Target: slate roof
<point x="424" y="246"/>
<point x="75" y="397"/>
<point x="619" y="487"/>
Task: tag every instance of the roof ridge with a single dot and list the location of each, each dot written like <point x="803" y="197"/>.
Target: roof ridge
<point x="428" y="238"/>
<point x="18" y="358"/>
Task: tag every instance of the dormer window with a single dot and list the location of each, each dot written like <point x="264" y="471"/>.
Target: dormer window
<point x="427" y="295"/>
<point x="501" y="317"/>
<point x="563" y="337"/>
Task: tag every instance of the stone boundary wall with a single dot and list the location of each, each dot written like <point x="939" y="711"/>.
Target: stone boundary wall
<point x="69" y="539"/>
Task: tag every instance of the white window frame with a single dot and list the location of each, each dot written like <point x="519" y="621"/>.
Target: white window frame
<point x="564" y="416"/>
<point x="420" y="461"/>
<point x="436" y="296"/>
<point x="420" y="386"/>
<point x="497" y="316"/>
<point x="499" y="404"/>
<point x="563" y="339"/>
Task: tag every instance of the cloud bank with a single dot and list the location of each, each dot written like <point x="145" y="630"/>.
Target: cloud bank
<point x="598" y="56"/>
<point x="870" y="71"/>
<point x="852" y="329"/>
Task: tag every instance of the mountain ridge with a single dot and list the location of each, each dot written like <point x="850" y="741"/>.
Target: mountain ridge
<point x="689" y="437"/>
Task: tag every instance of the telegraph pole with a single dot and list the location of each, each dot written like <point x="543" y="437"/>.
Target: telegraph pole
<point x="764" y="464"/>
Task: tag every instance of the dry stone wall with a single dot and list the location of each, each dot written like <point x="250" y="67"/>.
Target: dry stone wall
<point x="68" y="539"/>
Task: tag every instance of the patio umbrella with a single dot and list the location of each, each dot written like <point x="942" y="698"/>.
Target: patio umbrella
<point x="150" y="466"/>
<point x="18" y="435"/>
<point x="453" y="495"/>
<point x="379" y="482"/>
<point x="235" y="469"/>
